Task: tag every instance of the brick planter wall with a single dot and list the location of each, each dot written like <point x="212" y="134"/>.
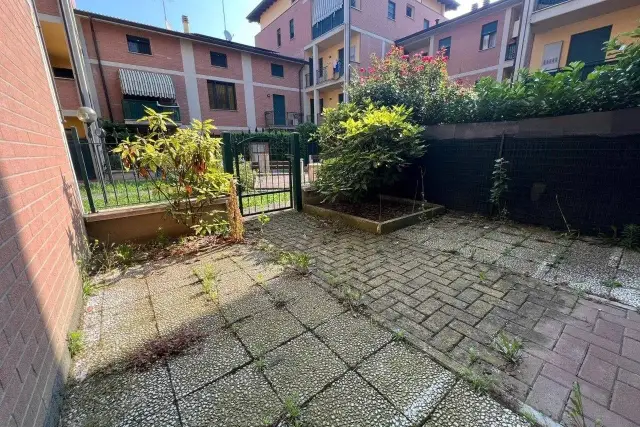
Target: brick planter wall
<point x="40" y="231"/>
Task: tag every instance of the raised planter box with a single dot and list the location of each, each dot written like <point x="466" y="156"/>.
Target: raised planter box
<point x="313" y="207"/>
<point x="139" y="223"/>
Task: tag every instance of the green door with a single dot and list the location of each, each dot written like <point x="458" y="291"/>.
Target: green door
<point x="279" y="114"/>
<point x="340" y="62"/>
<point x="588" y="47"/>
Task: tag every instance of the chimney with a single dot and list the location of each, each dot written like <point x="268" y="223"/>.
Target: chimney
<point x="485" y="3"/>
<point x="474" y="6"/>
<point x="437" y="21"/>
<point x="185" y="24"/>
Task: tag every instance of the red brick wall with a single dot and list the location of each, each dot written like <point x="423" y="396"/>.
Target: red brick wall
<point x="48" y="7"/>
<point x="261" y="67"/>
<point x="265" y="103"/>
<point x="202" y="56"/>
<point x="68" y="93"/>
<point x="300" y="12"/>
<point x="40" y="231"/>
<point x="223" y="117"/>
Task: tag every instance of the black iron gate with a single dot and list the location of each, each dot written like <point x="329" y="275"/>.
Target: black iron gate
<point x="267" y="168"/>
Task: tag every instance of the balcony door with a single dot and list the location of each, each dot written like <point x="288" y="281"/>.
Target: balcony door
<point x="279" y="113"/>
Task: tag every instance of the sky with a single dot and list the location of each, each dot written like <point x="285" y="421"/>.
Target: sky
<point x="205" y="16"/>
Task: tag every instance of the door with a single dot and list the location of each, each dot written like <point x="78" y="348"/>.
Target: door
<point x="311" y="71"/>
<point x="320" y="70"/>
<point x="341" y="98"/>
<point x="279" y="114"/>
<point x="340" y="70"/>
<point x="588" y="47"/>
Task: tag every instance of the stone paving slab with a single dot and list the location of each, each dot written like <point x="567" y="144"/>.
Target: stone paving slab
<point x="451" y="305"/>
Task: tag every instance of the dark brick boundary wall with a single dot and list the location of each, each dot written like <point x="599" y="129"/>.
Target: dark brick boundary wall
<point x="590" y="161"/>
<point x="40" y="230"/>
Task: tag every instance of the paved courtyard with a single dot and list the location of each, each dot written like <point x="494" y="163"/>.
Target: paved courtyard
<point x="454" y="283"/>
<point x="275" y="343"/>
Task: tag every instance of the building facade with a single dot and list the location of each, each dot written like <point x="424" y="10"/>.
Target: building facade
<point x="558" y="32"/>
<point x="480" y="43"/>
<point x="499" y="38"/>
<point x="318" y="32"/>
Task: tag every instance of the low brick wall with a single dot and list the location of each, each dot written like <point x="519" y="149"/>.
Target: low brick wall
<point x="139" y="223"/>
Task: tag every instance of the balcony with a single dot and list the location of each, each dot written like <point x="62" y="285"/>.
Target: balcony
<point x="327" y="24"/>
<point x="133" y="109"/>
<point x="512" y="48"/>
<point x="541" y="4"/>
<point x="587" y="69"/>
<point x="290" y="120"/>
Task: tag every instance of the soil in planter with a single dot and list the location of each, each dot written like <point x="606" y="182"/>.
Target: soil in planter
<point x="375" y="211"/>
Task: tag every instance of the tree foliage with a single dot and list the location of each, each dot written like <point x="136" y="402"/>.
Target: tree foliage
<point x="365" y="150"/>
<point x="183" y="164"/>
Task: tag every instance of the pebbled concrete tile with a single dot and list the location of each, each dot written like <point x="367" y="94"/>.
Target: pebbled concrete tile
<point x="351" y="402"/>
<point x="353" y="338"/>
<point x="409" y="379"/>
<point x="463" y="407"/>
<point x="302" y="367"/>
<point x="238" y="400"/>
<point x="268" y="329"/>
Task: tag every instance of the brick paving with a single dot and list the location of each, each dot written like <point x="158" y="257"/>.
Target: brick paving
<point x="451" y="285"/>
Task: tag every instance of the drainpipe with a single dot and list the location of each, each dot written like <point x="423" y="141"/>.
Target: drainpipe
<point x="104" y="83"/>
<point x="300" y="91"/>
<point x="347" y="47"/>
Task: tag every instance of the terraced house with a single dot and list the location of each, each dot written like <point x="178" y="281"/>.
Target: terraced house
<point x="118" y="66"/>
<point x="496" y="39"/>
<point x="335" y="36"/>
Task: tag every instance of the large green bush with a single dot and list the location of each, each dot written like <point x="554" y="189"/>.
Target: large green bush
<point x="365" y="150"/>
<point x="421" y="83"/>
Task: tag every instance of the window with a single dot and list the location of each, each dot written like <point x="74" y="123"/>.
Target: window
<point x="445" y="44"/>
<point x="410" y="11"/>
<point x="218" y="59"/>
<point x="139" y="45"/>
<point x="355" y="4"/>
<point x="277" y="70"/>
<point x="279" y="38"/>
<point x="425" y="24"/>
<point x="292" y="32"/>
<point x="488" y="36"/>
<point x="391" y="10"/>
<point x="63" y="73"/>
<point x="222" y="95"/>
<point x="352" y="53"/>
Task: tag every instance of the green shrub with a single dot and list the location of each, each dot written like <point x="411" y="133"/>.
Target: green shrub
<point x="185" y="166"/>
<point x="246" y="175"/>
<point x="365" y="151"/>
<point x="421" y="83"/>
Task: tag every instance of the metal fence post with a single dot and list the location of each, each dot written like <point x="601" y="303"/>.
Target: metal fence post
<point x="296" y="185"/>
<point x="227" y="153"/>
<point x="83" y="169"/>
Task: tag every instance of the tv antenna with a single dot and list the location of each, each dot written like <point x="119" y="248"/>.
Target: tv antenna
<point x="227" y="35"/>
<point x="166" y="21"/>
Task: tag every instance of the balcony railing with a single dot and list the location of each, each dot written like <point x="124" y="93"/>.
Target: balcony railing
<point x="541" y="4"/>
<point x="512" y="48"/>
<point x="68" y="93"/>
<point x="587" y="69"/>
<point x="328" y="23"/>
<point x="290" y="120"/>
<point x="133" y="109"/>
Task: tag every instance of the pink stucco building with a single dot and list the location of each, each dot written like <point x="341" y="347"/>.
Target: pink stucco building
<point x="480" y="43"/>
<point x="318" y="32"/>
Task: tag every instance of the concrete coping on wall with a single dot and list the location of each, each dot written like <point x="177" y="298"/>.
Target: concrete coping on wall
<point x="137" y="210"/>
<point x="605" y="123"/>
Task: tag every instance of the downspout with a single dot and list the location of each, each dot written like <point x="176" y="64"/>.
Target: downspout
<point x="300" y="91"/>
<point x="104" y="83"/>
<point x="347" y="47"/>
<point x="73" y="59"/>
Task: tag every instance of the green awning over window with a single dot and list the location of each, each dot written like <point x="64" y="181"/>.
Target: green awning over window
<point x="145" y="83"/>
